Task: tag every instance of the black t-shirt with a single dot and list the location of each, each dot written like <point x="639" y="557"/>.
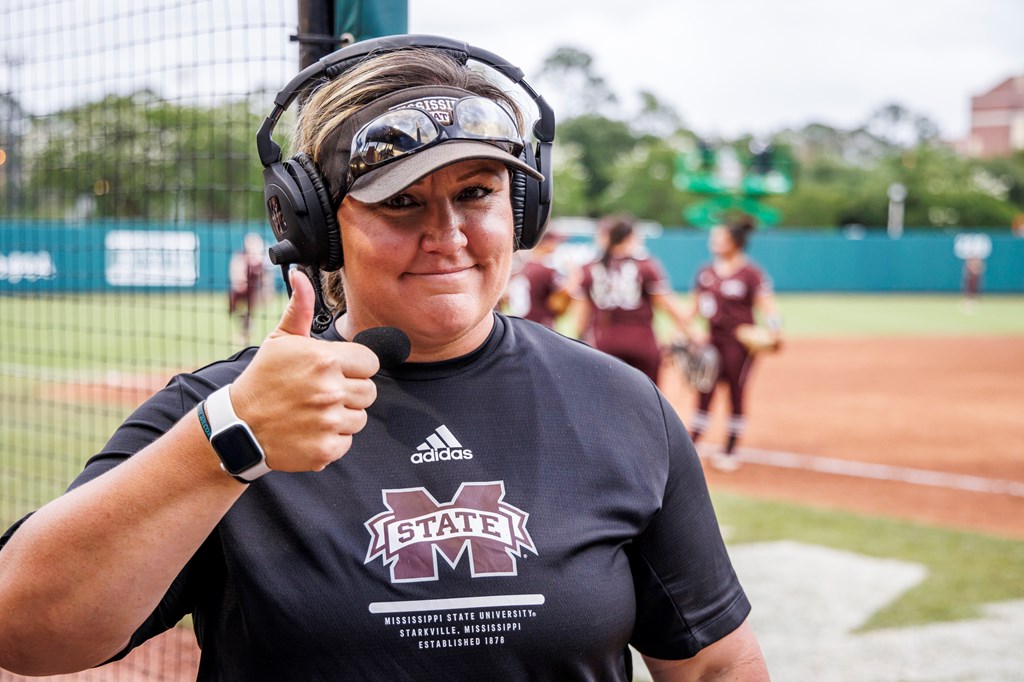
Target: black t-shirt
<point x="523" y="512"/>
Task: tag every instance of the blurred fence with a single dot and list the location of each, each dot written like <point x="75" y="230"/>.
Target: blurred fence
<point x="127" y="165"/>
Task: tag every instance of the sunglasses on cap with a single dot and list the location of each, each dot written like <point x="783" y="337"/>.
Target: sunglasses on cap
<point x="401" y="132"/>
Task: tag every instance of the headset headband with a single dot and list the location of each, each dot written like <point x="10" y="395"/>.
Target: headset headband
<point x="337" y="62"/>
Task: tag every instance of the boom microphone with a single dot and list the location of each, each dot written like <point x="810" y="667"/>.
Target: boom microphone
<point x="391" y="344"/>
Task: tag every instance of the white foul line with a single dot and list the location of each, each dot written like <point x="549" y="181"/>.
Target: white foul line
<point x="882" y="472"/>
<point x="461" y="603"/>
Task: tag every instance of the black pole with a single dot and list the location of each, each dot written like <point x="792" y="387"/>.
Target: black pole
<point x="316" y="31"/>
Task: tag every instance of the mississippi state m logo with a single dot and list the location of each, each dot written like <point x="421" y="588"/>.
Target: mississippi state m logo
<point x="416" y="530"/>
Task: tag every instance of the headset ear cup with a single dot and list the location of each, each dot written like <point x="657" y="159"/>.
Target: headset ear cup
<point x="517" y="188"/>
<point x="526" y="209"/>
<point x="328" y="235"/>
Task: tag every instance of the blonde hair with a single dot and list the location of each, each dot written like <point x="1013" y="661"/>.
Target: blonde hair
<point x="321" y="117"/>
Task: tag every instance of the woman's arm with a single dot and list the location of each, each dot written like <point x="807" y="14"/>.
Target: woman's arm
<point x="583" y="310"/>
<point x="83" y="572"/>
<point x="683" y="316"/>
<point x="736" y="657"/>
<point x="767" y="308"/>
<point x="580" y="305"/>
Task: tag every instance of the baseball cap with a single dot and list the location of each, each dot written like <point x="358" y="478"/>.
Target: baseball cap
<point x="395" y="141"/>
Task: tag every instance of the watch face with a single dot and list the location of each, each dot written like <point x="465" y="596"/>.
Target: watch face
<point x="237" y="448"/>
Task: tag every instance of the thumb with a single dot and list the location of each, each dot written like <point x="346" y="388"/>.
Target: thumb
<point x="297" y="318"/>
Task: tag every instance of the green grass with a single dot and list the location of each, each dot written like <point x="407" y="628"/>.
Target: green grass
<point x="860" y="316"/>
<point x="817" y="315"/>
<point x="138" y="332"/>
<point x="965" y="570"/>
<point x="50" y="340"/>
<point x="44" y="443"/>
<point x="122" y="331"/>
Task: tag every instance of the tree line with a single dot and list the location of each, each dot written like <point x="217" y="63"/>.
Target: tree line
<point x="608" y="163"/>
<point x="141" y="157"/>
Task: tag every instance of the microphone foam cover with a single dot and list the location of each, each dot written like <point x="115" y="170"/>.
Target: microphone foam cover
<point x="391" y="344"/>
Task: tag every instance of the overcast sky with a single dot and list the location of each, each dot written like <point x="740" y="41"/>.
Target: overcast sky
<point x="727" y="66"/>
<point x="736" y="66"/>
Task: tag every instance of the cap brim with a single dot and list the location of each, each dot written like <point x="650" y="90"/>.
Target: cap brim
<point x="389" y="180"/>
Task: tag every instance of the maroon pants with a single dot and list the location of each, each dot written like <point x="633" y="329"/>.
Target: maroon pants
<point x="734" y="368"/>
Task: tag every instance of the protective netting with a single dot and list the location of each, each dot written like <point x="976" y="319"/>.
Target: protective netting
<point x="128" y="179"/>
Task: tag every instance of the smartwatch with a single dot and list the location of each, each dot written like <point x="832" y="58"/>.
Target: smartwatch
<point x="240" y="453"/>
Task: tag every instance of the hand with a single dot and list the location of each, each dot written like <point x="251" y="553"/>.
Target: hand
<point x="302" y="397"/>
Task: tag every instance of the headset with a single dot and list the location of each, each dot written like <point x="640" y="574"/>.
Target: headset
<point x="299" y="203"/>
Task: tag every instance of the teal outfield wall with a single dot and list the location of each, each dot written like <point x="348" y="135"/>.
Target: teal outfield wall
<point x="120" y="255"/>
<point x="828" y="261"/>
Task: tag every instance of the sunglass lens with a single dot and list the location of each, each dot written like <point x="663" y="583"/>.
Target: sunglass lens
<point x="485" y="118"/>
<point x="394" y="134"/>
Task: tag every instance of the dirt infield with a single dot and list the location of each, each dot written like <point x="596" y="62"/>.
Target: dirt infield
<point x="115" y="388"/>
<point x="940" y="404"/>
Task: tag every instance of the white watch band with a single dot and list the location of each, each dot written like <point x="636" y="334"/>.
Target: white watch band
<point x="220" y="414"/>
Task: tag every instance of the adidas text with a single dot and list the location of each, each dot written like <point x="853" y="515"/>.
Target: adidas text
<point x="440" y="446"/>
<point x="442" y="455"/>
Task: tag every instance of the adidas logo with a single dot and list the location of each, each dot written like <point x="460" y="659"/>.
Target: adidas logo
<point x="440" y="446"/>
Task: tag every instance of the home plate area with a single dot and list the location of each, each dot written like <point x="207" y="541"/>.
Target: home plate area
<point x="808" y="602"/>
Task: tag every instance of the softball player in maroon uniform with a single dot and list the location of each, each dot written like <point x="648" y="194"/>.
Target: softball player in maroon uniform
<point x="974" y="268"/>
<point x="621" y="291"/>
<point x="248" y="283"/>
<point x="727" y="292"/>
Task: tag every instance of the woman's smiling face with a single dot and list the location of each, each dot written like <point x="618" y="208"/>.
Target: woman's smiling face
<point x="432" y="260"/>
